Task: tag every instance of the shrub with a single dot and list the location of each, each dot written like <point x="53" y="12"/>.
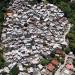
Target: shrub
<point x="44" y="61"/>
<point x="14" y="70"/>
<point x="2" y="61"/>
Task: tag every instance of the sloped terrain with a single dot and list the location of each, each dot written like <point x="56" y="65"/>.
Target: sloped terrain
<point x="32" y="31"/>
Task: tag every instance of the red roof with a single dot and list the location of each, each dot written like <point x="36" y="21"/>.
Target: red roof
<point x="55" y="62"/>
<point x="50" y="67"/>
<point x="60" y="52"/>
<point x="69" y="66"/>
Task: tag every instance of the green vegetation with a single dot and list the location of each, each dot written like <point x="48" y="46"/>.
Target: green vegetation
<point x="2" y="61"/>
<point x="14" y="70"/>
<point x="1" y="22"/>
<point x="3" y="5"/>
<point x="66" y="50"/>
<point x="74" y="62"/>
<point x="60" y="59"/>
<point x="44" y="61"/>
<point x="52" y="54"/>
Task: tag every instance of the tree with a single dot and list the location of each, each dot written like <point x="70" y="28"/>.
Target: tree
<point x="44" y="61"/>
<point x="3" y="5"/>
<point x="67" y="50"/>
<point x="72" y="5"/>
<point x="65" y="7"/>
<point x="2" y="61"/>
<point x="62" y="61"/>
<point x="1" y="22"/>
<point x="14" y="70"/>
<point x="58" y="1"/>
<point x="71" y="36"/>
<point x="74" y="63"/>
<point x="52" y="54"/>
<point x="72" y="47"/>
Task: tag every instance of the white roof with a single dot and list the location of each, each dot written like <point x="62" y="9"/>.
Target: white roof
<point x="56" y="45"/>
<point x="6" y="69"/>
<point x="33" y="47"/>
<point x="34" y="61"/>
<point x="30" y="69"/>
<point x="52" y="24"/>
<point x="1" y="70"/>
<point x="20" y="67"/>
<point x="64" y="43"/>
<point x="12" y="65"/>
<point x="48" y="52"/>
<point x="15" y="15"/>
<point x="46" y="19"/>
<point x="67" y="71"/>
<point x="29" y="20"/>
<point x="40" y="66"/>
<point x="37" y="18"/>
<point x="71" y="53"/>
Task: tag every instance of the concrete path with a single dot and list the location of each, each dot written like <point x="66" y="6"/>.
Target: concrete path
<point x="61" y="67"/>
